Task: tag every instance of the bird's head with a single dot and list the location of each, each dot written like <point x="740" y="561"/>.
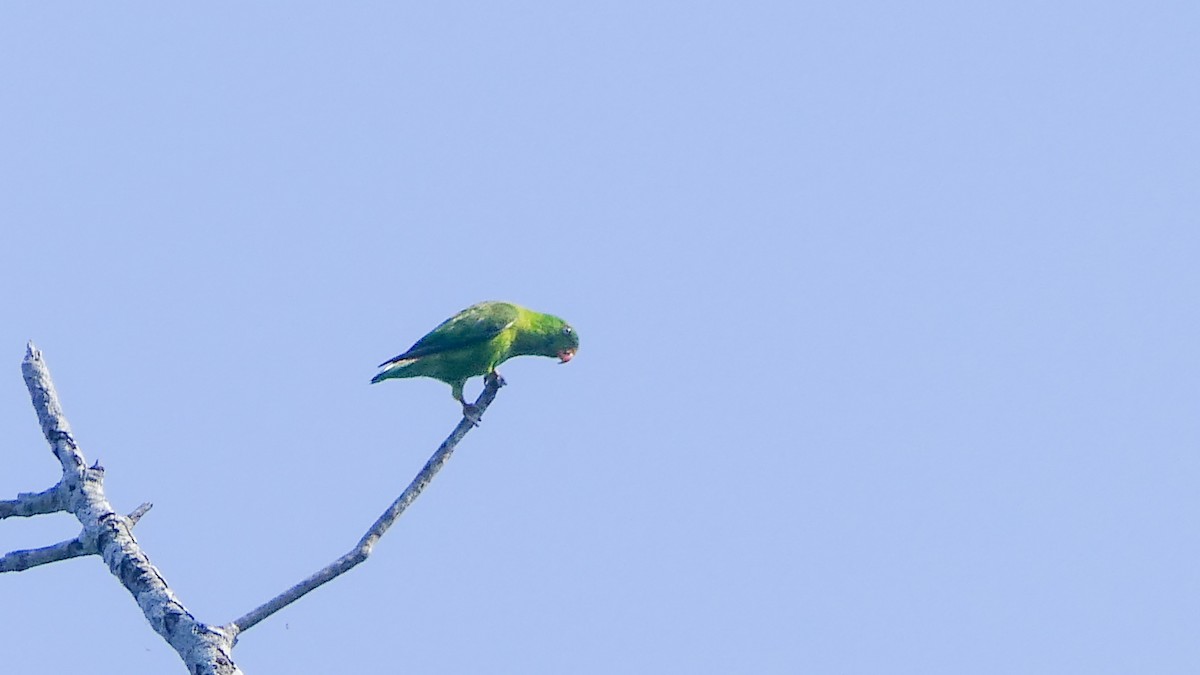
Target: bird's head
<point x="561" y="340"/>
<point x="566" y="343"/>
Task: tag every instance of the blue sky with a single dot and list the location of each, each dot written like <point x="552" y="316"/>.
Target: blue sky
<point x="888" y="320"/>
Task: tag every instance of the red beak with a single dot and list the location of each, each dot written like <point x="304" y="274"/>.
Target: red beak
<point x="566" y="355"/>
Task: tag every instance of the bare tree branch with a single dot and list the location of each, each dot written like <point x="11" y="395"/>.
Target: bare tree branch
<point x="137" y="513"/>
<point x="19" y="561"/>
<point x="204" y="649"/>
<point x="363" y="549"/>
<point x="34" y="503"/>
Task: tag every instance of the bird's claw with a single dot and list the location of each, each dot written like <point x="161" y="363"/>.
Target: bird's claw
<point x="473" y="414"/>
<point x="497" y="378"/>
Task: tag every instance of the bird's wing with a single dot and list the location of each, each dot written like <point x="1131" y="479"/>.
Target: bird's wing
<point x="472" y="326"/>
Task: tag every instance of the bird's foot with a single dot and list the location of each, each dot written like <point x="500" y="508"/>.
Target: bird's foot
<point x="496" y="377"/>
<point x="473" y="414"/>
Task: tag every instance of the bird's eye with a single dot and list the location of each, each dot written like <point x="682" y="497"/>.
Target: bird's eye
<point x="566" y="330"/>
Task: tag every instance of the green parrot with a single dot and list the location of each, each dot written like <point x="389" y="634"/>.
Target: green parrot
<point x="476" y="340"/>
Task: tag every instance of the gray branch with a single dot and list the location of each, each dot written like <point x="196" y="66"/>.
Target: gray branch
<point x="137" y="513"/>
<point x="34" y="503"/>
<point x="363" y="549"/>
<point x="19" y="561"/>
<point x="204" y="649"/>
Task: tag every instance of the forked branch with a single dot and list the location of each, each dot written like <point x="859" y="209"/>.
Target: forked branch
<point x="205" y="649"/>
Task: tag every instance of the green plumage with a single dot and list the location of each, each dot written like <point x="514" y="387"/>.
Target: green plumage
<point x="477" y="340"/>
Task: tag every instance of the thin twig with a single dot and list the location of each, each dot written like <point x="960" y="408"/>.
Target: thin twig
<point x="363" y="549"/>
<point x="137" y="513"/>
<point x="28" y="504"/>
<point x="19" y="561"/>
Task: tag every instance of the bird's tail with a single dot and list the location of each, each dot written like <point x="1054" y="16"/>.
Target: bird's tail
<point x="392" y="369"/>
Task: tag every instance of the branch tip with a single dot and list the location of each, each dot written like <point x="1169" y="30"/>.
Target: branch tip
<point x="137" y="513"/>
